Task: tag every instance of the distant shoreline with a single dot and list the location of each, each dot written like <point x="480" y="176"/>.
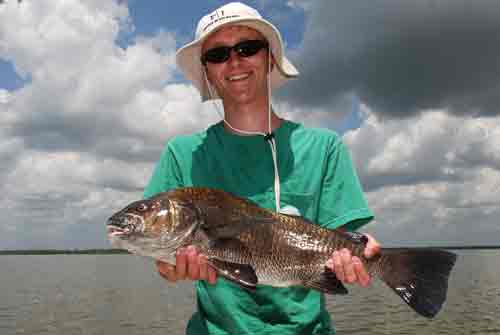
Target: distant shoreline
<point x="64" y="252"/>
<point x="123" y="252"/>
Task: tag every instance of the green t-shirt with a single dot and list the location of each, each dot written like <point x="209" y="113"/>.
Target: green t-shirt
<point x="317" y="178"/>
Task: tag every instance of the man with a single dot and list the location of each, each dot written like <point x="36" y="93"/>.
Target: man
<point x="238" y="56"/>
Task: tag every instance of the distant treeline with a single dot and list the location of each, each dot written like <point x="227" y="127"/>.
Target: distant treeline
<point x="2" y="1"/>
<point x="119" y="251"/>
<point x="64" y="252"/>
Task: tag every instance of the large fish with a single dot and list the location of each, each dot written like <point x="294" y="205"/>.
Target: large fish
<point x="250" y="245"/>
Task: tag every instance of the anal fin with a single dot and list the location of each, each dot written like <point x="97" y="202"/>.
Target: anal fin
<point x="327" y="282"/>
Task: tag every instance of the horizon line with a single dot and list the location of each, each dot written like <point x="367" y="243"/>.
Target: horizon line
<point x="109" y="251"/>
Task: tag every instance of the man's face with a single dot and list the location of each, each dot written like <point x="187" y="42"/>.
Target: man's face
<point x="238" y="80"/>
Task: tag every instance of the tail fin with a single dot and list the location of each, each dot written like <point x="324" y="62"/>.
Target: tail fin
<point x="418" y="276"/>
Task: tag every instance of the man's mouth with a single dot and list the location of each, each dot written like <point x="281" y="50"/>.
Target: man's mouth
<point x="238" y="77"/>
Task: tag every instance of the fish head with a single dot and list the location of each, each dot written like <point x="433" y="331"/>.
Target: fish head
<point x="136" y="218"/>
<point x="157" y="222"/>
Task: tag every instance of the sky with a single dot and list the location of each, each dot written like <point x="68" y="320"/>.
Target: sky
<point x="90" y="94"/>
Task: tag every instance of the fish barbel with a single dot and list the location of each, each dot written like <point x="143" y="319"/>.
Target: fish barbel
<point x="250" y="245"/>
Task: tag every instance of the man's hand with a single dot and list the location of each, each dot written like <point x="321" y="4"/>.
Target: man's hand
<point x="350" y="269"/>
<point x="189" y="265"/>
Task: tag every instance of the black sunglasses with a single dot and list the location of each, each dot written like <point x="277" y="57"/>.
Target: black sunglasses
<point x="243" y="49"/>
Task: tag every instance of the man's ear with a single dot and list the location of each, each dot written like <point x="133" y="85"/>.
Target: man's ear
<point x="273" y="62"/>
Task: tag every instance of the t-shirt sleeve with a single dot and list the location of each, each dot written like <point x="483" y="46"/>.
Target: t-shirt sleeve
<point x="342" y="202"/>
<point x="166" y="175"/>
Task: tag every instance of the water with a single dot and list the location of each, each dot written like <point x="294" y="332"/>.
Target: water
<point x="123" y="294"/>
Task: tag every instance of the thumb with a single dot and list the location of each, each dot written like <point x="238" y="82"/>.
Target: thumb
<point x="372" y="247"/>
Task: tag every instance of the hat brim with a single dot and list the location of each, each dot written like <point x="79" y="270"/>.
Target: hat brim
<point x="188" y="57"/>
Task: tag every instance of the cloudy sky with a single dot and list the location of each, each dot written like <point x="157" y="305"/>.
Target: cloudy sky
<point x="89" y="94"/>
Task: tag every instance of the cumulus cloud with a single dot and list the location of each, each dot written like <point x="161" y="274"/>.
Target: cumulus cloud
<point x="296" y="4"/>
<point x="81" y="80"/>
<point x="431" y="179"/>
<point x="333" y="116"/>
<point x="80" y="139"/>
<point x="402" y="57"/>
<point x="427" y="73"/>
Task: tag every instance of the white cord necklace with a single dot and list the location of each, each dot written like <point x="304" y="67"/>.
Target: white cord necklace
<point x="269" y="137"/>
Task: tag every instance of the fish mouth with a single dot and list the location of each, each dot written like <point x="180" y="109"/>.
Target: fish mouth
<point x="124" y="225"/>
<point x="114" y="231"/>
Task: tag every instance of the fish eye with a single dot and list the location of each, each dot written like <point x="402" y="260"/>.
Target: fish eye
<point x="142" y="207"/>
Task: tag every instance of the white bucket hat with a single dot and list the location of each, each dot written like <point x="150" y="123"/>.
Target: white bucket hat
<point x="188" y="57"/>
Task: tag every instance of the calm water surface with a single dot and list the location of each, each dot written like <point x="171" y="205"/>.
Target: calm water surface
<point x="122" y="294"/>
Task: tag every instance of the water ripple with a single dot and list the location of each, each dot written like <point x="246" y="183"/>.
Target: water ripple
<point x="121" y="294"/>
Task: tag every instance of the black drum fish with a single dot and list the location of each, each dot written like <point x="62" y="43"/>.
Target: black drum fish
<point x="250" y="245"/>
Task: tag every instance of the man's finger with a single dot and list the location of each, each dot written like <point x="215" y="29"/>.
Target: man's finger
<point x="350" y="275"/>
<point x="193" y="267"/>
<point x="202" y="260"/>
<point x="171" y="274"/>
<point x="212" y="275"/>
<point x="337" y="265"/>
<point x="167" y="271"/>
<point x="362" y="275"/>
<point x="162" y="268"/>
<point x="181" y="263"/>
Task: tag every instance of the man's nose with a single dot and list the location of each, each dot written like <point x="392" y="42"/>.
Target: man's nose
<point x="234" y="58"/>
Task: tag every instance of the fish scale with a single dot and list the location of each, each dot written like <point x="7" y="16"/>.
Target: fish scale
<point x="252" y="246"/>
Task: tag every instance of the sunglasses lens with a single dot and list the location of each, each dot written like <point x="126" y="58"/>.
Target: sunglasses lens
<point x="217" y="55"/>
<point x="243" y="49"/>
<point x="249" y="48"/>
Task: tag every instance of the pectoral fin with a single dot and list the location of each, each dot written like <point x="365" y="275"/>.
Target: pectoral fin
<point x="227" y="256"/>
<point x="241" y="274"/>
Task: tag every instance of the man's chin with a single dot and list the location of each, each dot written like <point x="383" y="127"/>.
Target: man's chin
<point x="241" y="98"/>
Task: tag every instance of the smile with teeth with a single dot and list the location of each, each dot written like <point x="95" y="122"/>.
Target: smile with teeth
<point x="238" y="77"/>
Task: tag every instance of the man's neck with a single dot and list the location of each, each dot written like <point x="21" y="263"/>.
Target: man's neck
<point x="250" y="118"/>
